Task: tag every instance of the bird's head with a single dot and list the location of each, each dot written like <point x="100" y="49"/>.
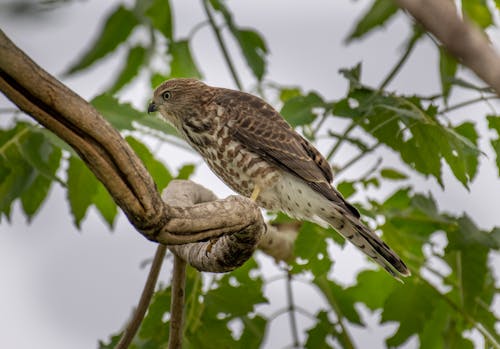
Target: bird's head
<point x="177" y="99"/>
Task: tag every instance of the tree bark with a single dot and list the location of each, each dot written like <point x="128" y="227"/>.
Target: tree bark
<point x="459" y="36"/>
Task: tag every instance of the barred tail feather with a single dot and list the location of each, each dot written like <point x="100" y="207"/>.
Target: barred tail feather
<point x="369" y="243"/>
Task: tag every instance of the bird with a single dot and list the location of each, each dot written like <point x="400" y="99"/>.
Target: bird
<point x="251" y="148"/>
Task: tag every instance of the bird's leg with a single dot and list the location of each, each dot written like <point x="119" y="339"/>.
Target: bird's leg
<point x="255" y="193"/>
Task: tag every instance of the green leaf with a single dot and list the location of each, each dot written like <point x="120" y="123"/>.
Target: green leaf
<point x="253" y="333"/>
<point x="311" y="249"/>
<point x="155" y="122"/>
<point x="460" y="151"/>
<point x="116" y="30"/>
<point x="414" y="132"/>
<point x="135" y="58"/>
<point x="411" y="306"/>
<point x="182" y="64"/>
<point x="186" y="171"/>
<point x="288" y="93"/>
<point x="82" y="187"/>
<point x="372" y="288"/>
<point x="120" y="115"/>
<point x="378" y="14"/>
<point x="298" y="110"/>
<point x="393" y="174"/>
<point x="16" y="173"/>
<point x="494" y="124"/>
<point x="105" y="205"/>
<point x="478" y="11"/>
<point x="353" y="75"/>
<point x="34" y="195"/>
<point x="346" y="189"/>
<point x="161" y="16"/>
<point x="158" y="171"/>
<point x="236" y="294"/>
<point x="317" y="335"/>
<point x="254" y="50"/>
<point x="341" y="301"/>
<point x="447" y="69"/>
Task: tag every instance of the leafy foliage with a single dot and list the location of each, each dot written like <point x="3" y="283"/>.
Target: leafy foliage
<point x="225" y="311"/>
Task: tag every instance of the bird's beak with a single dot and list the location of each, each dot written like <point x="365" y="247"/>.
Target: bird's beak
<point x="152" y="107"/>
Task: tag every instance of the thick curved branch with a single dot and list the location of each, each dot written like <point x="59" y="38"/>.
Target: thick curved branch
<point x="460" y="37"/>
<point x="112" y="160"/>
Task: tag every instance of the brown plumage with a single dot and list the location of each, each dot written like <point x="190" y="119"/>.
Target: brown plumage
<point x="249" y="145"/>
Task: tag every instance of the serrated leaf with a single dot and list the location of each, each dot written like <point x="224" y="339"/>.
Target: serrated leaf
<point x="372" y="288"/>
<point x="311" y="247"/>
<point x="298" y="110"/>
<point x="105" y="205"/>
<point x="317" y="335"/>
<point x="254" y="50"/>
<point x="117" y="28"/>
<point x="182" y="64"/>
<point x="494" y="124"/>
<point x="120" y="115"/>
<point x="460" y="151"/>
<point x="411" y="306"/>
<point x="157" y="170"/>
<point x="161" y="16"/>
<point x="342" y="302"/>
<point x="237" y="294"/>
<point x="34" y="195"/>
<point x="253" y="333"/>
<point x="135" y="59"/>
<point x="82" y="187"/>
<point x="378" y="15"/>
<point x="18" y="174"/>
<point x="393" y="174"/>
<point x="447" y="70"/>
<point x="415" y="133"/>
<point x="353" y="75"/>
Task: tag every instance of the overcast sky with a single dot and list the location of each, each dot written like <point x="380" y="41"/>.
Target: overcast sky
<point x="66" y="289"/>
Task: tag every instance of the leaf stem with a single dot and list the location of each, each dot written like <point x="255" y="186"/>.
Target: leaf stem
<point x="485" y="332"/>
<point x="147" y="293"/>
<point x="291" y="311"/>
<point x="341" y="139"/>
<point x="468" y="102"/>
<point x="222" y="45"/>
<point x="357" y="158"/>
<point x="401" y="62"/>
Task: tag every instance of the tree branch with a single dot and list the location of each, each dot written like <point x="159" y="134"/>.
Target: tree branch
<point x="460" y="37"/>
<point x="112" y="160"/>
<point x="142" y="306"/>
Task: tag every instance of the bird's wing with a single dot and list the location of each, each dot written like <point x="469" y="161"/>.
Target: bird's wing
<point x="263" y="130"/>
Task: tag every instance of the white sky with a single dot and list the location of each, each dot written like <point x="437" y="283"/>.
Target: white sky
<point x="67" y="289"/>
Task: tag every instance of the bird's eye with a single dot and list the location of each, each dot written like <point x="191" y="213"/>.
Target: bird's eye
<point x="166" y="95"/>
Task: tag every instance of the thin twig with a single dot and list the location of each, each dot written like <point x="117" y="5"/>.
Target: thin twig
<point x="222" y="45"/>
<point x="177" y="304"/>
<point x="142" y="306"/>
<point x="291" y="311"/>
<point x="487" y="335"/>
<point x="357" y="158"/>
<point x="341" y="140"/>
<point x="401" y="62"/>
<point x="466" y="103"/>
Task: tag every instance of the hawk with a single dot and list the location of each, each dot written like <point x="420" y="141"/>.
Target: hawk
<point x="251" y="147"/>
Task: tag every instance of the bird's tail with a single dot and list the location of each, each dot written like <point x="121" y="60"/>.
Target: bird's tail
<point x="368" y="242"/>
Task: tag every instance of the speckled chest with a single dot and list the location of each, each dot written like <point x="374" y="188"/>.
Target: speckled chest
<point x="232" y="161"/>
